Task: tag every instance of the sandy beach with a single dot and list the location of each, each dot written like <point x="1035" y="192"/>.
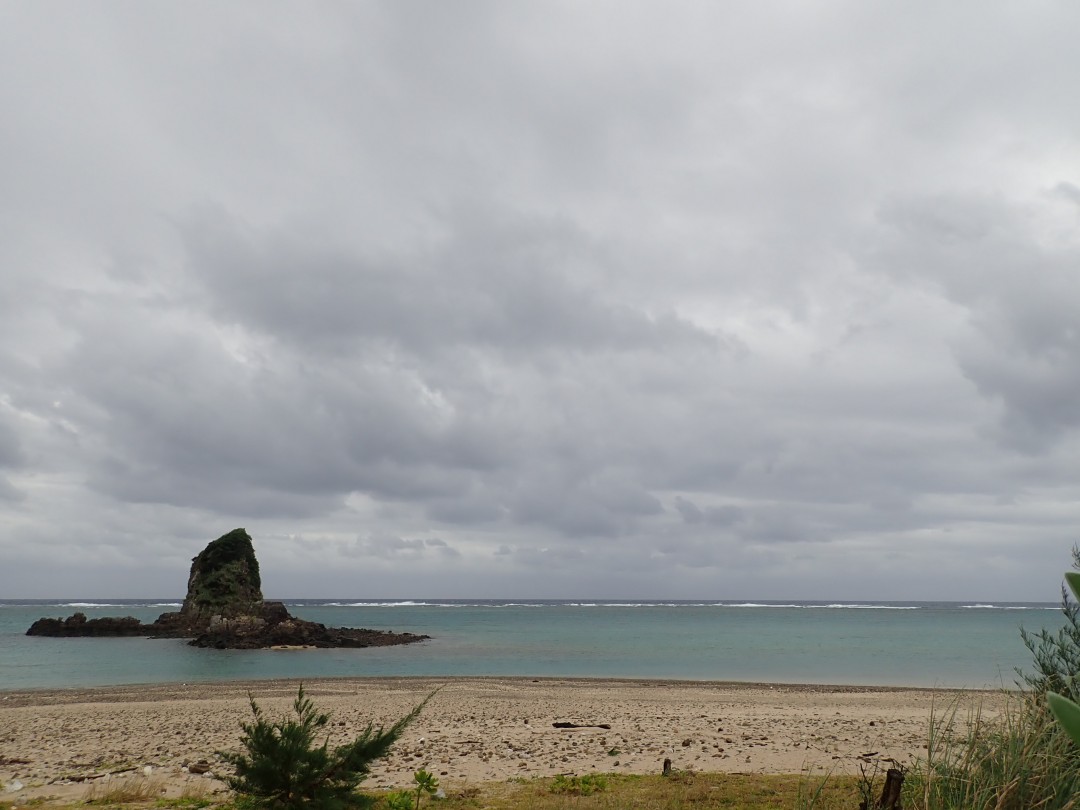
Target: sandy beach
<point x="58" y="743"/>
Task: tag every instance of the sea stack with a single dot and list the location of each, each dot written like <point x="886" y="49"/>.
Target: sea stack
<point x="224" y="608"/>
<point x="224" y="593"/>
<point x="224" y="580"/>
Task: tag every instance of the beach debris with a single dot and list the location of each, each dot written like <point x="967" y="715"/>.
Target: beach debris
<point x="890" y="791"/>
<point x="563" y="724"/>
<point x="14" y="786"/>
<point x="667" y="767"/>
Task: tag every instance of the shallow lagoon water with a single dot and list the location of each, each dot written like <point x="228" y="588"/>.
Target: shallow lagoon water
<point x="898" y="644"/>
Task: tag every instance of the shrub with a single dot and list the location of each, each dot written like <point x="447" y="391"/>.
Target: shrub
<point x="1056" y="655"/>
<point x="284" y="769"/>
<point x="1021" y="759"/>
<point x="1066" y="711"/>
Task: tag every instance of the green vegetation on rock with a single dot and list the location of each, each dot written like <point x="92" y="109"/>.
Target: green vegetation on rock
<point x="225" y="578"/>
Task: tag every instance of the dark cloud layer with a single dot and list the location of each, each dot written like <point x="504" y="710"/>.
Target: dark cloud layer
<point x="551" y="300"/>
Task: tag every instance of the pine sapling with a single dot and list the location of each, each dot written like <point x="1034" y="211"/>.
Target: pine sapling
<point x="283" y="768"/>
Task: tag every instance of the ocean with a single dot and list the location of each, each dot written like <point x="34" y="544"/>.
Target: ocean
<point x="928" y="644"/>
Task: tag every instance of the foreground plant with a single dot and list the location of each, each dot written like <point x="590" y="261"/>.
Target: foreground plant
<point x="426" y="783"/>
<point x="1014" y="760"/>
<point x="1066" y="711"/>
<point x="1057" y="655"/>
<point x="283" y="768"/>
<point x="1024" y="758"/>
<point x="123" y="791"/>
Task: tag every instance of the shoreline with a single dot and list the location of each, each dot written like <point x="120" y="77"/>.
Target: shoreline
<point x="140" y="692"/>
<point x="475" y="730"/>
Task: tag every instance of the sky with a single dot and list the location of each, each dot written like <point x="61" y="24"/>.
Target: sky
<point x="543" y="299"/>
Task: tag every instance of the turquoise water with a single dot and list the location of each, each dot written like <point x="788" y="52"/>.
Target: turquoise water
<point x="900" y="644"/>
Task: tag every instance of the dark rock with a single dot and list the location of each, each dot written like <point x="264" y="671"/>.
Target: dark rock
<point x="274" y="612"/>
<point x="224" y="609"/>
<point x="223" y="583"/>
<point x="274" y="627"/>
<point x="79" y="625"/>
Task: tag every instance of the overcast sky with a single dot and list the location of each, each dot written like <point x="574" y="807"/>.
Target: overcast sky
<point x="604" y="299"/>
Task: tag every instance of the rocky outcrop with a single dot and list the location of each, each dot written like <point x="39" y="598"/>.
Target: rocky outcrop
<point x="224" y="609"/>
<point x="224" y="582"/>
<point x="79" y="625"/>
<point x="274" y="627"/>
<point x="224" y="579"/>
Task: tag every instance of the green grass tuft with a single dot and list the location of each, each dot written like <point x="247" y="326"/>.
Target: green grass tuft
<point x="579" y="785"/>
<point x="1016" y="761"/>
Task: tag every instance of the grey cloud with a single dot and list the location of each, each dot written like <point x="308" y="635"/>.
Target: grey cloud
<point x="192" y="422"/>
<point x="1039" y="394"/>
<point x="507" y="285"/>
<point x="673" y="299"/>
<point x="12" y="454"/>
<point x="713" y="515"/>
<point x="543" y="558"/>
<point x="785" y="524"/>
<point x="9" y="492"/>
<point x="442" y="548"/>
<point x="390" y="548"/>
<point x="602" y="504"/>
<point x="689" y="510"/>
<point x="1070" y="191"/>
<point x="466" y="510"/>
<point x="12" y="457"/>
<point x="1021" y="297"/>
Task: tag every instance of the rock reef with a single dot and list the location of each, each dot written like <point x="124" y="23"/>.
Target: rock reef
<point x="79" y="625"/>
<point x="224" y="609"/>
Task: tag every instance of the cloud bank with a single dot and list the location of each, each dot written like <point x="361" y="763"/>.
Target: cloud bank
<point x="547" y="300"/>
